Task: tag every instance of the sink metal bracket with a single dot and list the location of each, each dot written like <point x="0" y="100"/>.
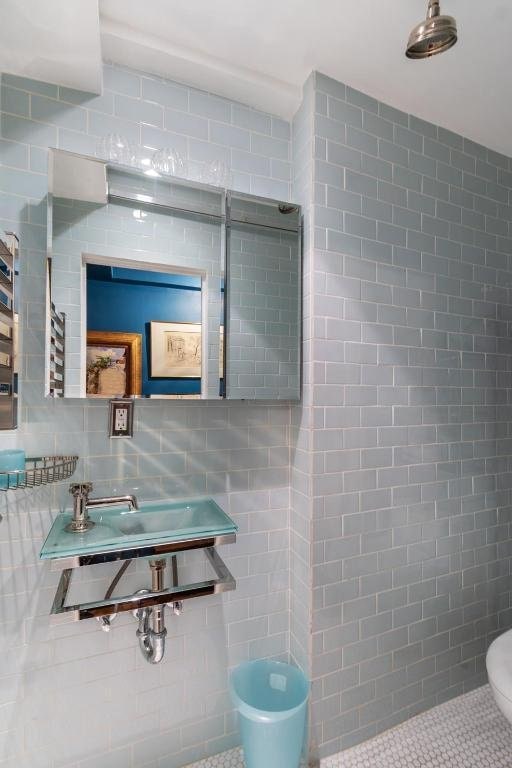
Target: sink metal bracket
<point x="153" y="551"/>
<point x="62" y="613"/>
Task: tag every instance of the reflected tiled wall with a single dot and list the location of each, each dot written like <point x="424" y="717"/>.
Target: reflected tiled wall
<point x="73" y="696"/>
<point x="264" y="318"/>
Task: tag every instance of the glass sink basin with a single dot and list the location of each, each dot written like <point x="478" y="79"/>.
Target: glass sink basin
<point x="155" y="522"/>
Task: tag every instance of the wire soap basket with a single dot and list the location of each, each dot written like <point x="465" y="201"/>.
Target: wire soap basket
<point x="39" y="470"/>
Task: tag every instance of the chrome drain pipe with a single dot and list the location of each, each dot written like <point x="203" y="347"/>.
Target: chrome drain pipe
<point x="152" y="644"/>
<point x="152" y="638"/>
<point x="151" y="632"/>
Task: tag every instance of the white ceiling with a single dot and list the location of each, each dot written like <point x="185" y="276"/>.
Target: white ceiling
<point x="53" y="41"/>
<point x="361" y="42"/>
<point x="261" y="51"/>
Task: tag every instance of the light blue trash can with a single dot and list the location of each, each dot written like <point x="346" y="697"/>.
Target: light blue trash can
<point x="271" y="699"/>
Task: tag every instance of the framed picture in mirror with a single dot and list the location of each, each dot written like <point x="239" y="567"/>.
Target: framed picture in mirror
<point x="114" y="364"/>
<point x="175" y="350"/>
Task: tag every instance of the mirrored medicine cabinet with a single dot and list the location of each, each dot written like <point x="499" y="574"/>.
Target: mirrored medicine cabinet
<point x="158" y="287"/>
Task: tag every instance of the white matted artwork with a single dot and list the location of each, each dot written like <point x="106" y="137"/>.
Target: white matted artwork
<point x="175" y="350"/>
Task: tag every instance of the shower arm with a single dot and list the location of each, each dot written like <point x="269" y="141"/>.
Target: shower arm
<point x="433" y="9"/>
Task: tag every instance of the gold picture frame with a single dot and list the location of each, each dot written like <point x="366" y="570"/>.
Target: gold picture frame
<point x="114" y="363"/>
<point x="176" y="350"/>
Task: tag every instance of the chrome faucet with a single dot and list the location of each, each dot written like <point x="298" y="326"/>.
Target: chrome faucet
<point x="109" y="501"/>
<point x="82" y="503"/>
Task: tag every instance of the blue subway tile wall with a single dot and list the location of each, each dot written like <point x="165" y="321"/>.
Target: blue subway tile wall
<point x="301" y="556"/>
<point x="126" y="711"/>
<point x="395" y="555"/>
<point x="405" y="502"/>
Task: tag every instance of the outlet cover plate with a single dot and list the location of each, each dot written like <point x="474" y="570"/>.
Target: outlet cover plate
<point x="120" y="420"/>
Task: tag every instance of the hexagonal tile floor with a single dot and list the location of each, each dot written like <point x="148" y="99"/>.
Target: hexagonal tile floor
<point x="466" y="732"/>
<point x="233" y="758"/>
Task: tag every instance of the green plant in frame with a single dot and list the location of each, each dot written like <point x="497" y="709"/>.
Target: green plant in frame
<point x="94" y="369"/>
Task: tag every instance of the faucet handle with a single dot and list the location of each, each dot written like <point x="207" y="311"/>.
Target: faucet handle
<point x="80" y="489"/>
<point x="176" y="607"/>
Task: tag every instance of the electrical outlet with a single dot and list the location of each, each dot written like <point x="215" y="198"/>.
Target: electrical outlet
<point x="121" y="421"/>
<point x="121" y="418"/>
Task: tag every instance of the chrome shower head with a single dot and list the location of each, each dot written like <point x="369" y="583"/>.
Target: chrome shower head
<point x="434" y="35"/>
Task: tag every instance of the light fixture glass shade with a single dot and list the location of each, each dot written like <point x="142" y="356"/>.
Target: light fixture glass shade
<point x="169" y="162"/>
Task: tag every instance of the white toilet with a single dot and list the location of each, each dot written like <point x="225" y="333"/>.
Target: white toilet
<point x="499" y="671"/>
